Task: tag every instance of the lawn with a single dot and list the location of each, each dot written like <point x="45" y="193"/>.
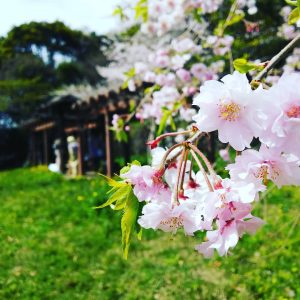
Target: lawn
<point x="54" y="245"/>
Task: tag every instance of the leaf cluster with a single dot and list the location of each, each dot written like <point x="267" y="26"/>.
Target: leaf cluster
<point x="121" y="197"/>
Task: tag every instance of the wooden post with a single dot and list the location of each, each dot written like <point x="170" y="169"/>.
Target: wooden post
<point x="80" y="152"/>
<point x="107" y="144"/>
<point x="63" y="148"/>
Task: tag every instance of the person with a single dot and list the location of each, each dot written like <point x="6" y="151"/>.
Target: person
<point x="73" y="156"/>
<point x="55" y="167"/>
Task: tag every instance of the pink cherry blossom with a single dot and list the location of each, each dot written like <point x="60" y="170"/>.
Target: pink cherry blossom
<point x="165" y="79"/>
<point x="147" y="182"/>
<point x="184" y="75"/>
<point x="266" y="164"/>
<point x="140" y="68"/>
<point x="233" y="221"/>
<point x="178" y="61"/>
<point x="187" y="114"/>
<point x="149" y="76"/>
<point x="207" y="6"/>
<point x="237" y="190"/>
<point x="220" y="45"/>
<point x="162" y="215"/>
<point x="185" y="45"/>
<point x="283" y="123"/>
<point x="228" y="107"/>
<point x="224" y="154"/>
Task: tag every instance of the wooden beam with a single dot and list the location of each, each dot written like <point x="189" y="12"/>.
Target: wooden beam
<point x="107" y="144"/>
<point x="45" y="126"/>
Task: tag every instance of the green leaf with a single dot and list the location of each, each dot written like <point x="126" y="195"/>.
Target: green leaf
<point x="152" y="89"/>
<point x="294" y="16"/>
<point x="120" y="204"/>
<point x="128" y="222"/>
<point x="219" y="28"/>
<point x="112" y="190"/>
<point x="127" y="168"/>
<point x="130" y="73"/>
<point x="118" y="11"/>
<point x="121" y="136"/>
<point x="197" y="15"/>
<point x="222" y="25"/>
<point x="132" y="105"/>
<point x="177" y="105"/>
<point x="121" y="193"/>
<point x="244" y="66"/>
<point x="290" y="2"/>
<point x="163" y="122"/>
<point x="124" y="85"/>
<point x="112" y="182"/>
<point x="141" y="10"/>
<point x="236" y="18"/>
<point x="131" y="31"/>
<point x="136" y="163"/>
<point x="172" y="123"/>
<point x="139" y="234"/>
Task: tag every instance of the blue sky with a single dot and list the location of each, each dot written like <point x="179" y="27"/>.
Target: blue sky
<point x="95" y="15"/>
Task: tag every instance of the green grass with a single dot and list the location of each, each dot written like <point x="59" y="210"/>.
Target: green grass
<point x="55" y="246"/>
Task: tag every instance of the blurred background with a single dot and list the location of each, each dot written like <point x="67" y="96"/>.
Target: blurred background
<point x="61" y="67"/>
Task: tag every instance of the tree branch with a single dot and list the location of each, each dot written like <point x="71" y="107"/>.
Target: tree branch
<point x="278" y="57"/>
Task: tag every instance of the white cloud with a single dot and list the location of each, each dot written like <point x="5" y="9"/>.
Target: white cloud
<point x="95" y="15"/>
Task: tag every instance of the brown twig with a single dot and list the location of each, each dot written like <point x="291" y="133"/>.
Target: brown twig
<point x="206" y="161"/>
<point x="278" y="57"/>
<point x="183" y="170"/>
<point x="210" y="187"/>
<point x="175" y="199"/>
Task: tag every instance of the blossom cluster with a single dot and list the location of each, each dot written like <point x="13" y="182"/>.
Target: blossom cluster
<point x="173" y="81"/>
<point x="260" y="120"/>
<point x="176" y="197"/>
<point x="188" y="53"/>
<point x="164" y="16"/>
<point x="287" y="31"/>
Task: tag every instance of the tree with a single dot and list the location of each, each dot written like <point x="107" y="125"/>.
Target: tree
<point x="37" y="57"/>
<point x="254" y="111"/>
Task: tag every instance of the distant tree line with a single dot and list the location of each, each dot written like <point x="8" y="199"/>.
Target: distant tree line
<point x="38" y="57"/>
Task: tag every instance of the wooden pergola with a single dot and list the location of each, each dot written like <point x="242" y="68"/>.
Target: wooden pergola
<point x="71" y="113"/>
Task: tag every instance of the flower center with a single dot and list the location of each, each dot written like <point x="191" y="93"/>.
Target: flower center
<point x="229" y="111"/>
<point x="262" y="172"/>
<point x="173" y="222"/>
<point x="267" y="171"/>
<point x="294" y="111"/>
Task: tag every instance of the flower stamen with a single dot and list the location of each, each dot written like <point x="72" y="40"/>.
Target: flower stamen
<point x="229" y="111"/>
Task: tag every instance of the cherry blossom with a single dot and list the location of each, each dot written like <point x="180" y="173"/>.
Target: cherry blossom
<point x="283" y="126"/>
<point x="224" y="154"/>
<point x="207" y="6"/>
<point x="266" y="164"/>
<point x="180" y="190"/>
<point x="228" y="107"/>
<point x="147" y="183"/>
<point x="164" y="216"/>
<point x="220" y="45"/>
<point x="233" y="221"/>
